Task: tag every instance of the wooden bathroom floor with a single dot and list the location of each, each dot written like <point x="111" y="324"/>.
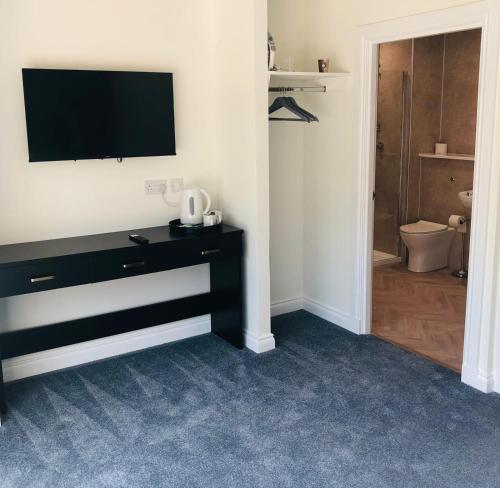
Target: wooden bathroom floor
<point x="421" y="312"/>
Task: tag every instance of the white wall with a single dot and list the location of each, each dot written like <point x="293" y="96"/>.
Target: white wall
<point x="286" y="163"/>
<point x="61" y="199"/>
<point x="332" y="33"/>
<point x="306" y="161"/>
<point x="46" y="200"/>
<point x="493" y="362"/>
<point x="286" y="22"/>
<point x="242" y="148"/>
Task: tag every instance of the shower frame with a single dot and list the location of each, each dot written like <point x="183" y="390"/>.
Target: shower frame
<point x="404" y="157"/>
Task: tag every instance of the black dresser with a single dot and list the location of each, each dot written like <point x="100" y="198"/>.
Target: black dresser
<point x="45" y="265"/>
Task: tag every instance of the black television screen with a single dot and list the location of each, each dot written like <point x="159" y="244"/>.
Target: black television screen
<point x="79" y="114"/>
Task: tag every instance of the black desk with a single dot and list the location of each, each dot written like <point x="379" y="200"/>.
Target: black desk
<point x="38" y="266"/>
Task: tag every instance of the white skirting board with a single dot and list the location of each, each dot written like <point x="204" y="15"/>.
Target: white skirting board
<point x="65" y="357"/>
<point x="287" y="306"/>
<point x="260" y="344"/>
<point x="333" y="315"/>
<point x="85" y="352"/>
<point x="487" y="383"/>
<point x="316" y="308"/>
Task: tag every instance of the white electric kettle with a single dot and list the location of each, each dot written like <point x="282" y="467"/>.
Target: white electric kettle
<point x="192" y="205"/>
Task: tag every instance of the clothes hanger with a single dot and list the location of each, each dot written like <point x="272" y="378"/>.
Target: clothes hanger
<point x="284" y="102"/>
<point x="280" y="103"/>
<point x="291" y="105"/>
<point x="311" y="116"/>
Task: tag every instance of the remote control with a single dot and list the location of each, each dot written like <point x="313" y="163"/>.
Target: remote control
<point x="137" y="238"/>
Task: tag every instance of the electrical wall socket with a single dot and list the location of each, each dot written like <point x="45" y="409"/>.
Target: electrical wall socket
<point x="155" y="187"/>
<point x="176" y="185"/>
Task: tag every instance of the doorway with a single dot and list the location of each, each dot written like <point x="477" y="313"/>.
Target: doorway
<point x="425" y="149"/>
<point x="481" y="279"/>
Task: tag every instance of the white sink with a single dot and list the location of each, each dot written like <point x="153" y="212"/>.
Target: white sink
<point x="465" y="198"/>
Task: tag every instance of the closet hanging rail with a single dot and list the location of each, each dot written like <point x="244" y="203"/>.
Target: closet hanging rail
<point x="281" y="89"/>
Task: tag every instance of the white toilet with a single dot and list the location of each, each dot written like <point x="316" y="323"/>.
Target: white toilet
<point x="428" y="244"/>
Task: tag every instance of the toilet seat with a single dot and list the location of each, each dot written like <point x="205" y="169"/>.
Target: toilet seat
<point x="423" y="227"/>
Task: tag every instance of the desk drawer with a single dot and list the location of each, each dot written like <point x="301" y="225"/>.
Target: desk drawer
<point x="122" y="263"/>
<point x="210" y="248"/>
<point x="43" y="275"/>
<point x="152" y="258"/>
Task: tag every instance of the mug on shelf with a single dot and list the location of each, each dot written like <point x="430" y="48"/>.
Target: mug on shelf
<point x="324" y="65"/>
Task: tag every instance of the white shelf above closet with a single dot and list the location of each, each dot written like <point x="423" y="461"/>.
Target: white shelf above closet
<point x="459" y="157"/>
<point x="305" y="75"/>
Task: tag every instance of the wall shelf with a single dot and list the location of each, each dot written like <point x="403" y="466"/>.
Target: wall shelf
<point x="304" y="75"/>
<point x="459" y="157"/>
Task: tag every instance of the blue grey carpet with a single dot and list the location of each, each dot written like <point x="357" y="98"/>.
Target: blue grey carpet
<point x="325" y="409"/>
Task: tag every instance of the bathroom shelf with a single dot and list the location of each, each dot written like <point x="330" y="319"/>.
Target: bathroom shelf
<point x="459" y="157"/>
<point x="305" y="75"/>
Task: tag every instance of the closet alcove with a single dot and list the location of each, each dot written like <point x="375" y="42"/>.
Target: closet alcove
<point x="303" y="158"/>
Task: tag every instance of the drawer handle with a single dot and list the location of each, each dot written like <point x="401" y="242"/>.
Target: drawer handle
<point x="210" y="251"/>
<point x="39" y="279"/>
<point x="136" y="264"/>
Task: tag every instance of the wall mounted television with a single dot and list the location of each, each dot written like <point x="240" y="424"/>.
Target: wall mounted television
<point x="83" y="114"/>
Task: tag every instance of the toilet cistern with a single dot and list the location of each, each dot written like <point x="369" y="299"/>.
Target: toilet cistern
<point x="465" y="198"/>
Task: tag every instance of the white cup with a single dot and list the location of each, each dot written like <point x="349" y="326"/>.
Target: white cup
<point x="209" y="219"/>
<point x="212" y="218"/>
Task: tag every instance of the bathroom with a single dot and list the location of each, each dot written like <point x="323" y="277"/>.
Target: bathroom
<point x="426" y="129"/>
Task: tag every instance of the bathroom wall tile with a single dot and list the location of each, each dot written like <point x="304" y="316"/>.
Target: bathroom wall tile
<point x="387" y="181"/>
<point x="439" y="196"/>
<point x="426" y="112"/>
<point x="395" y="56"/>
<point x="460" y="89"/>
<point x="390" y="111"/>
<point x="395" y="63"/>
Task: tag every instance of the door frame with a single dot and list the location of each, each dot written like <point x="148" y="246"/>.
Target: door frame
<point x="479" y="332"/>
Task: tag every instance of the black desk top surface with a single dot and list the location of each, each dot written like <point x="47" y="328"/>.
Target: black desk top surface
<point x="33" y="251"/>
